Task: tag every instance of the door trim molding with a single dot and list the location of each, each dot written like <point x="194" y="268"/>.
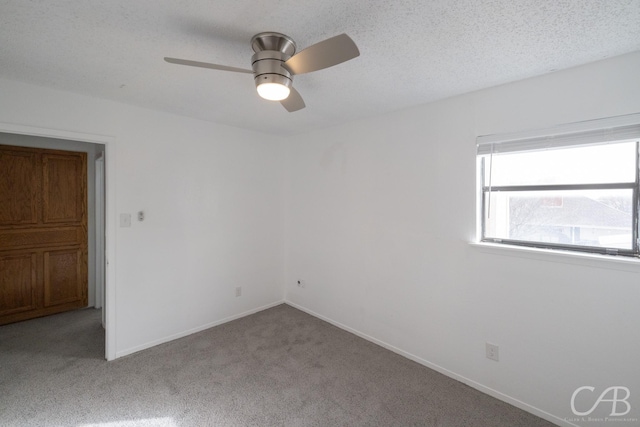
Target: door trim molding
<point x="110" y="214"/>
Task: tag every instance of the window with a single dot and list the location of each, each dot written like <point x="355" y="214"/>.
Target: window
<point x="572" y="188"/>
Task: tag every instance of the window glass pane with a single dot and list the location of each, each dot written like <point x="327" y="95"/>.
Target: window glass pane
<point x="610" y="163"/>
<point x="598" y="218"/>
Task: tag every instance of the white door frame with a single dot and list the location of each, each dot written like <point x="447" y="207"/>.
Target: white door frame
<point x="99" y="232"/>
<point x="110" y="215"/>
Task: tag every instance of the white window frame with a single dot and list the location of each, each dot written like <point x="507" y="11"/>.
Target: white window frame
<point x="590" y="132"/>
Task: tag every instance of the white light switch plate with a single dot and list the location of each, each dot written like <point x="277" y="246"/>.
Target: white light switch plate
<point x="125" y="220"/>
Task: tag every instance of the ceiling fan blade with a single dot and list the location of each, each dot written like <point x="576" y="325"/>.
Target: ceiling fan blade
<point x="206" y="65"/>
<point x="293" y="102"/>
<point x="323" y="54"/>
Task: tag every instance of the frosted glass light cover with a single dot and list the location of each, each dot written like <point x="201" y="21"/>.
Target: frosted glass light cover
<point x="273" y="91"/>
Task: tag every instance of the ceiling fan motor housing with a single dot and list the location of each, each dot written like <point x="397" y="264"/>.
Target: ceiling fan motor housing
<point x="267" y="68"/>
<point x="271" y="51"/>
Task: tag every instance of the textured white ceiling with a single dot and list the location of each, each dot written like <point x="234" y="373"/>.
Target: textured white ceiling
<point x="412" y="51"/>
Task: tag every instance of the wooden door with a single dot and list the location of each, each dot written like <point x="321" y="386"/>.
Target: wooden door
<point x="43" y="232"/>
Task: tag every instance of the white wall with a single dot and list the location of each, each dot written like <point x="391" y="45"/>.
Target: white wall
<point x="379" y="219"/>
<point x="213" y="201"/>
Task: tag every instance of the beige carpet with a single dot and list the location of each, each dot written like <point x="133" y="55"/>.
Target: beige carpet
<point x="279" y="367"/>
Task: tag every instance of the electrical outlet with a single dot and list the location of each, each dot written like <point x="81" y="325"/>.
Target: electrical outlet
<point x="301" y="284"/>
<point x="492" y="351"/>
<point x="239" y="291"/>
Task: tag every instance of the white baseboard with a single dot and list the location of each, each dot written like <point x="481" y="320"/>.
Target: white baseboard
<point x="163" y="340"/>
<point x="471" y="383"/>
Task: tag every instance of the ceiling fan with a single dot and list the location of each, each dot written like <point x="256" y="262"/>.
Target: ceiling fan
<point x="275" y="62"/>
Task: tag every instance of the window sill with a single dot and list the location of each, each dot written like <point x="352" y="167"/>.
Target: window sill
<point x="614" y="262"/>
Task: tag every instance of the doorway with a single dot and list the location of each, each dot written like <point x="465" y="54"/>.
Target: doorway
<point x="95" y="148"/>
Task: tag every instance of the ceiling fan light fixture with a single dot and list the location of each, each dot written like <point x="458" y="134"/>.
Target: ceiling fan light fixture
<point x="274" y="87"/>
<point x="273" y="91"/>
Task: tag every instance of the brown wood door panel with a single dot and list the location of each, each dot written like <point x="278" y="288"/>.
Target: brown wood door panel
<point x="39" y="237"/>
<point x="62" y="277"/>
<point x="63" y="185"/>
<point x="17" y="283"/>
<point x="43" y="232"/>
<point x="18" y="187"/>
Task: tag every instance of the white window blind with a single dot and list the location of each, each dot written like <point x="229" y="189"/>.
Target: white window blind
<point x="598" y="131"/>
